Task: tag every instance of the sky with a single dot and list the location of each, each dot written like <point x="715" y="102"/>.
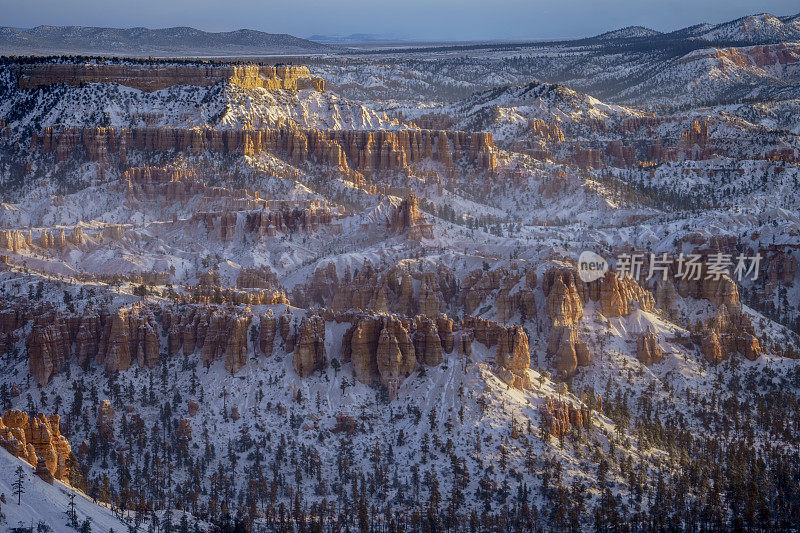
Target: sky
<point x="436" y="20"/>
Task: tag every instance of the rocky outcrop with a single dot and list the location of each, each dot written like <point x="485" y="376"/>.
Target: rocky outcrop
<point x="722" y="291"/>
<point x="13" y="240"/>
<point x="105" y="421"/>
<point x="427" y="343"/>
<point x="271" y="223"/>
<point x="48" y="346"/>
<point x="514" y="358"/>
<point x="152" y="77"/>
<point x="387" y="348"/>
<point x="360" y="345"/>
<point x="479" y="284"/>
<point x="666" y="298"/>
<point x="391" y="291"/>
<point x="286" y="327"/>
<point x="622" y="155"/>
<point x="309" y="350"/>
<point x="395" y="356"/>
<point x="567" y="350"/>
<point x="616" y="295"/>
<point x="648" y="350"/>
<point x="782" y="266"/>
<point x="268" y="325"/>
<point x="37" y="440"/>
<point x="257" y="278"/>
<point x="226" y="338"/>
<point x="728" y="333"/>
<point x="445" y="327"/>
<point x="406" y="218"/>
<point x="131" y="336"/>
<point x="697" y="133"/>
<point x="11" y="319"/>
<point x="588" y="158"/>
<point x="565" y="297"/>
<point x="165" y="184"/>
<point x="16" y="240"/>
<point x="559" y="417"/>
<point x="565" y="294"/>
<point x="548" y="131"/>
<point x="214" y="294"/>
<point x="712" y="348"/>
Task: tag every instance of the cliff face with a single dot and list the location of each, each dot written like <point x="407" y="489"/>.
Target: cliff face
<point x="309" y="350"/>
<point x="132" y="335"/>
<point x="115" y="340"/>
<point x="396" y="290"/>
<point x="360" y="150"/>
<point x="156" y="76"/>
<point x="383" y="348"/>
<point x="618" y="296"/>
<point x="387" y="348"/>
<point x="566" y="294"/>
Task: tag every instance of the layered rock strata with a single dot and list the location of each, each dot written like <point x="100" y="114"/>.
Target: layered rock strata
<point x="360" y="150"/>
<point x="152" y="77"/>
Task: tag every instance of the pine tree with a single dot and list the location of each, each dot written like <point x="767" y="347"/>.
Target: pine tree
<point x="71" y="514"/>
<point x="18" y="484"/>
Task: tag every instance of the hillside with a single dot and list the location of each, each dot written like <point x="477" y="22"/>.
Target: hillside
<point x="763" y="28"/>
<point x="144" y="42"/>
<point x="47" y="504"/>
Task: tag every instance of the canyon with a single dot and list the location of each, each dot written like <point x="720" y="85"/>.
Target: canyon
<point x="300" y="294"/>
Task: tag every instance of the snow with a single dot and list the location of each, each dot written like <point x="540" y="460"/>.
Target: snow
<point x="532" y="214"/>
<point x="42" y="502"/>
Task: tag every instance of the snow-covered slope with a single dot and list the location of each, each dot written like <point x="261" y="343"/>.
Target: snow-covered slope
<point x="507" y="111"/>
<point x="761" y="28"/>
<point x="47" y="504"/>
<point x="223" y="106"/>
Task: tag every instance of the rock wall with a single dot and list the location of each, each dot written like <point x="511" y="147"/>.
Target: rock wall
<point x="132" y="335"/>
<point x="396" y="290"/>
<point x="512" y="358"/>
<point x="360" y="150"/>
<point x="219" y="332"/>
<point x="114" y="341"/>
<point x="383" y="348"/>
<point x="387" y="348"/>
<point x="566" y="294"/>
<point x="618" y="296"/>
<point x="157" y="76"/>
<point x="309" y="349"/>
